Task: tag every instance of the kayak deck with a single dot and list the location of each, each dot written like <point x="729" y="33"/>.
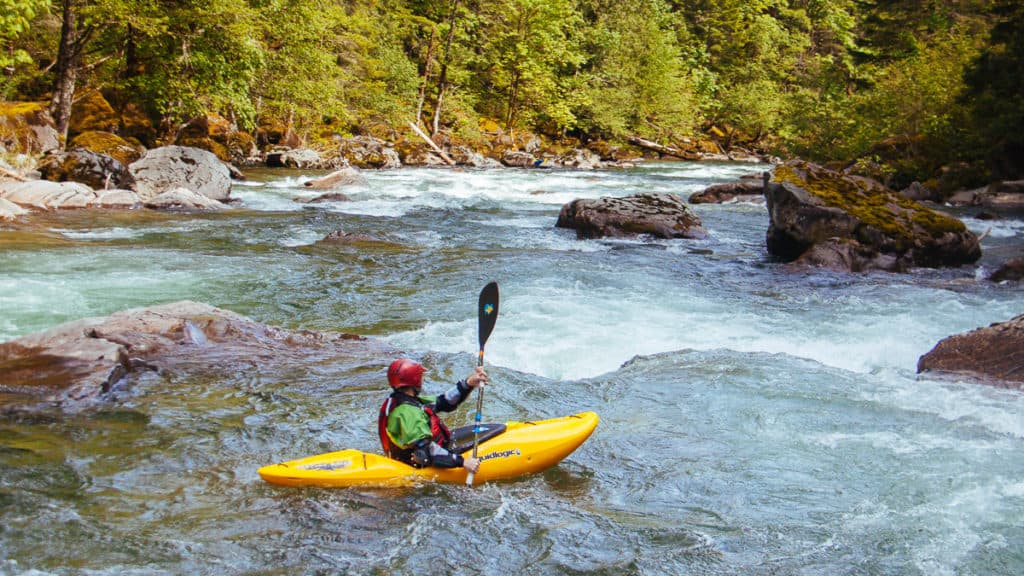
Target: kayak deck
<point x="523" y="448"/>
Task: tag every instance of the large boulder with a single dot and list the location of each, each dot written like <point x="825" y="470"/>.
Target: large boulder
<point x="83" y="359"/>
<point x="169" y="167"/>
<point x="91" y="168"/>
<point x="816" y="211"/>
<point x="658" y="215"/>
<point x="994" y="354"/>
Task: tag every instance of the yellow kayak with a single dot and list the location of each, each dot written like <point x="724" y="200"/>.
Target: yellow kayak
<point x="505" y="451"/>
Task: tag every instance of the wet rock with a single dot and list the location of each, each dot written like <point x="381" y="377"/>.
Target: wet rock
<point x="338" y="179"/>
<point x="328" y="197"/>
<point x="658" y="215"/>
<point x="47" y="195"/>
<point x="744" y="190"/>
<point x="342" y="237"/>
<point x="1010" y="271"/>
<point x="993" y="354"/>
<point x="83" y="359"/>
<point x="871" y="226"/>
<point x="183" y="199"/>
<point x="170" y="167"/>
<point x="1005" y="195"/>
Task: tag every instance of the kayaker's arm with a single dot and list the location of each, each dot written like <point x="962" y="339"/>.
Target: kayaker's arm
<point x="451" y="399"/>
<point x="427" y="453"/>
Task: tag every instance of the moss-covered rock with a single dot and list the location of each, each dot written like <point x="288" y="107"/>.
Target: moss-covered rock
<point x="110" y="144"/>
<point x="810" y="205"/>
<point x="27" y="128"/>
<point x="94" y="169"/>
<point x="91" y="111"/>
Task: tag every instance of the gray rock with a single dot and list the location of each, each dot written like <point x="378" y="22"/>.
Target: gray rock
<point x="9" y="210"/>
<point x="183" y="199"/>
<point x="658" y="215"/>
<point x="163" y="169"/>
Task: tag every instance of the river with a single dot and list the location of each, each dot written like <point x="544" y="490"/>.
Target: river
<point x="754" y="420"/>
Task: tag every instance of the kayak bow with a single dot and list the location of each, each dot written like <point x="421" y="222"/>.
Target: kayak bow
<point x="523" y="448"/>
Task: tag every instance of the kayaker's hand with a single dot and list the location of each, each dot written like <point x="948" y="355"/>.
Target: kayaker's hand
<point x="471" y="464"/>
<point x="477" y="378"/>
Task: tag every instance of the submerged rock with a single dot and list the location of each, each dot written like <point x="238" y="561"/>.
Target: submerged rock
<point x="995" y="353"/>
<point x="82" y="360"/>
<point x="815" y="211"/>
<point x="659" y="215"/>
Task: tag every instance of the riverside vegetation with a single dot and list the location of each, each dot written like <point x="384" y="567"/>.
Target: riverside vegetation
<point x="924" y="90"/>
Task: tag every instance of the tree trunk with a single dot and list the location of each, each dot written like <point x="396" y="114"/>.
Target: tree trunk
<point x="442" y="81"/>
<point x="426" y="75"/>
<point x="69" y="58"/>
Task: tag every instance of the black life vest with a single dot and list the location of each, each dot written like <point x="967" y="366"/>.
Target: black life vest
<point x="438" y="431"/>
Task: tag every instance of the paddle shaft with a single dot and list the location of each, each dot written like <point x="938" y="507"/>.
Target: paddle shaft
<point x="488" y="315"/>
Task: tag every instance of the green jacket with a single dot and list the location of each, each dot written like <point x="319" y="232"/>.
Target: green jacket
<point x="407" y="423"/>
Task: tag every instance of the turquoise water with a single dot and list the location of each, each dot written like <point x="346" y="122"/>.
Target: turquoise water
<point x="754" y="420"/>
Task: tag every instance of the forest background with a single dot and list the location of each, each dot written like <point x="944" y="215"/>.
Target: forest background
<point x="923" y="90"/>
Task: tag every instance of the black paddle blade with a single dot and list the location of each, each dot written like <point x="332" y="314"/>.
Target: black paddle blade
<point x="488" y="312"/>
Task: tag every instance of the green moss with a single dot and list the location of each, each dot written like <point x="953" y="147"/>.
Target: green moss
<point x="20" y="109"/>
<point x="106" y="143"/>
<point x="890" y="213"/>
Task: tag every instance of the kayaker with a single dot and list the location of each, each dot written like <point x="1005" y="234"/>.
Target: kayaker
<point x="410" y="429"/>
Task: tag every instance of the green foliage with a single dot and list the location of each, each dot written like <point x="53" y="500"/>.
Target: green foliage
<point x="15" y="18"/>
<point x="828" y="79"/>
<point x="635" y="81"/>
<point x="994" y="94"/>
<point x="529" y="50"/>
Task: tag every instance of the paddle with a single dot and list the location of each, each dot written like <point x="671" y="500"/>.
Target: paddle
<point x="488" y="315"/>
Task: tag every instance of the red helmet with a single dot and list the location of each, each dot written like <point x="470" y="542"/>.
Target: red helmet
<point x="404" y="372"/>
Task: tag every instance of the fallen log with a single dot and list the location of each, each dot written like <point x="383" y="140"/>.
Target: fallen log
<point x="433" y="145"/>
<point x="662" y="149"/>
